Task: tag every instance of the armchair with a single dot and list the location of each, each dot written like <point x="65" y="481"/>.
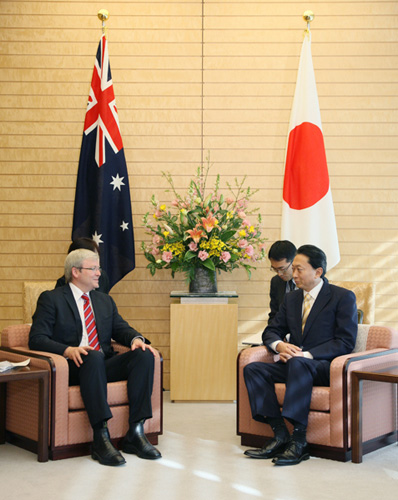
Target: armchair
<point x="70" y="433"/>
<point x="329" y="425"/>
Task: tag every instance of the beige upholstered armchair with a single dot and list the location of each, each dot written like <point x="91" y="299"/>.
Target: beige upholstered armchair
<point x="329" y="425"/>
<point x="70" y="433"/>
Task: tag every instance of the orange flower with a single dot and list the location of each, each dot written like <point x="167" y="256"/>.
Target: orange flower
<point x="209" y="222"/>
<point x="196" y="234"/>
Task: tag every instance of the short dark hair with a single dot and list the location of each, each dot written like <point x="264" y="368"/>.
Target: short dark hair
<point x="84" y="242"/>
<point x="282" y="249"/>
<point x="316" y="257"/>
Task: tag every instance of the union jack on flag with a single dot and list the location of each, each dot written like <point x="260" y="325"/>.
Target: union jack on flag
<point x="102" y="201"/>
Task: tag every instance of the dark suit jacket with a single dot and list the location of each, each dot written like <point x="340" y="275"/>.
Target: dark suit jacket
<point x="277" y="294"/>
<point x="57" y="324"/>
<point x="331" y="327"/>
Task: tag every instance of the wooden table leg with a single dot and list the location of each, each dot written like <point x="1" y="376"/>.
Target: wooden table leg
<point x="356" y="419"/>
<point x="42" y="443"/>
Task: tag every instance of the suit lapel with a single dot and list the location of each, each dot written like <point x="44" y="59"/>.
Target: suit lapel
<point x="321" y="301"/>
<point x="72" y="304"/>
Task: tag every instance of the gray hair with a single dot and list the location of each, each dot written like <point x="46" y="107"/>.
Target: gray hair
<point x="75" y="259"/>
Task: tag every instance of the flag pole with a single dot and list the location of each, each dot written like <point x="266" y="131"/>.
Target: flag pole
<point x="103" y="16"/>
<point x="308" y="17"/>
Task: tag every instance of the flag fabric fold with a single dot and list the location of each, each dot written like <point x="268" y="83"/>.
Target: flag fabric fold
<point x="307" y="207"/>
<point x="102" y="209"/>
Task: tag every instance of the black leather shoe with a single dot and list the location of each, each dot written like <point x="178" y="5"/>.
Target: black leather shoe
<point x="294" y="453"/>
<point x="104" y="451"/>
<point x="270" y="450"/>
<point x="137" y="443"/>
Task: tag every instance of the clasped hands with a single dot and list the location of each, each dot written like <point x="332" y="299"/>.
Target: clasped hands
<point x="288" y="351"/>
<point x="76" y="353"/>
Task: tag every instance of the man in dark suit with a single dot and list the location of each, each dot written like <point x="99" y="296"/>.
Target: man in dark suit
<point x="322" y="322"/>
<point x="280" y="255"/>
<point x="77" y="322"/>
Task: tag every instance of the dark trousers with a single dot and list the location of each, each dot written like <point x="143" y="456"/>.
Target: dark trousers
<point x="299" y="375"/>
<point x="93" y="375"/>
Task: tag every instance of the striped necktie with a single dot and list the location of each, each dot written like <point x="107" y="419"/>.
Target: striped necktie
<point x="90" y="323"/>
<point x="306" y="310"/>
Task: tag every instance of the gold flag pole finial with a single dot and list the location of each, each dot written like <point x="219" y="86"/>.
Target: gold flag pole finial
<point x="308" y="16"/>
<point x="103" y="16"/>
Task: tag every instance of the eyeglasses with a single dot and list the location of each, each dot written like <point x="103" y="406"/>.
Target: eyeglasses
<point x="94" y="269"/>
<point x="280" y="270"/>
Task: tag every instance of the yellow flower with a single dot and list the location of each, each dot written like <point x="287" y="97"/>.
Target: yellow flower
<point x="242" y="233"/>
<point x="251" y="229"/>
<point x="165" y="233"/>
<point x="163" y="207"/>
<point x="230" y="215"/>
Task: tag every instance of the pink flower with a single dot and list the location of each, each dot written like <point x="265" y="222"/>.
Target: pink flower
<point x="229" y="201"/>
<point x="175" y="203"/>
<point x="193" y="246"/>
<point x="167" y="256"/>
<point x="225" y="256"/>
<point x="156" y="239"/>
<point x="242" y="243"/>
<point x="158" y="213"/>
<point x="249" y="251"/>
<point x="246" y="223"/>
<point x="242" y="203"/>
<point x="241" y="214"/>
<point x="203" y="255"/>
<point x="155" y="251"/>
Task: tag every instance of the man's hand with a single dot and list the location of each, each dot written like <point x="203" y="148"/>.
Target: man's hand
<point x="75" y="353"/>
<point x="288" y="351"/>
<point x="139" y="344"/>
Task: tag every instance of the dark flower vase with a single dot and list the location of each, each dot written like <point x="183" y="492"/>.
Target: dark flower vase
<point x="205" y="281"/>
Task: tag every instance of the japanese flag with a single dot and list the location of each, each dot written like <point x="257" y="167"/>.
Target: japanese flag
<point x="307" y="211"/>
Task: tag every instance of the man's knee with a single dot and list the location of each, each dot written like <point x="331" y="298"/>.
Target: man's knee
<point x="141" y="357"/>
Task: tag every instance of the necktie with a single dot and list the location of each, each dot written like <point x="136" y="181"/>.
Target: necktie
<point x="292" y="286"/>
<point x="306" y="310"/>
<point x="90" y="323"/>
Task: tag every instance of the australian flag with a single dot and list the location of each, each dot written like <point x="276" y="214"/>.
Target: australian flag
<point x="102" y="201"/>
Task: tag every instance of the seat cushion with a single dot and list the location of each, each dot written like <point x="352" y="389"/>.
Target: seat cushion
<point x="117" y="395"/>
<point x="320" y="399"/>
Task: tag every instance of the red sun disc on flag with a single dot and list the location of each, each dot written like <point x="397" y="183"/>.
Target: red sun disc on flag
<point x="306" y="174"/>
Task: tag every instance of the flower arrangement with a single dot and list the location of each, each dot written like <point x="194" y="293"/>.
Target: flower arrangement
<point x="203" y="230"/>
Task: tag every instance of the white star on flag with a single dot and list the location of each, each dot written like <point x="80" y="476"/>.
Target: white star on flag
<point x="124" y="225"/>
<point x="117" y="182"/>
<point x="97" y="238"/>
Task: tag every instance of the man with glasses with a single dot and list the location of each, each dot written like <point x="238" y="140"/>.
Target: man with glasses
<point x="280" y="255"/>
<point x="78" y="322"/>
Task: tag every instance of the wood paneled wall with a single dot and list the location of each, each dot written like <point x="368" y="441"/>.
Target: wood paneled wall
<point x="192" y="77"/>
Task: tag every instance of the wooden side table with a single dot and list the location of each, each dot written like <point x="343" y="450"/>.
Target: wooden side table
<point x="203" y="350"/>
<point x="389" y="375"/>
<point x="28" y="373"/>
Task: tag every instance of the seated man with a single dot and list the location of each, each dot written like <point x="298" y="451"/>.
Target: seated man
<point x="280" y="255"/>
<point x="322" y="322"/>
<point x="77" y="322"/>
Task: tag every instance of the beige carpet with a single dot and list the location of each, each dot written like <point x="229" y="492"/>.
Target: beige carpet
<point x="202" y="460"/>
